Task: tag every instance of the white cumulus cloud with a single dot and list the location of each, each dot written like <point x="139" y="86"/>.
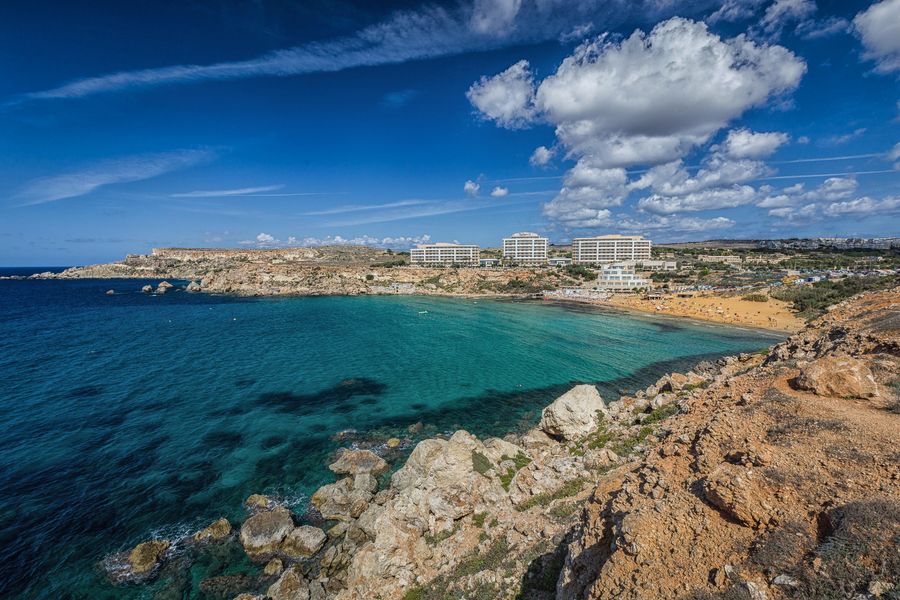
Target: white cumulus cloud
<point x="743" y="143"/>
<point x="499" y="192"/>
<point x="541" y="156"/>
<point x="471" y="187"/>
<point x="879" y="28"/>
<point x="506" y="98"/>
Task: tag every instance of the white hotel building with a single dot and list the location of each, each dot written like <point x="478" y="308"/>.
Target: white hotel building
<point x="442" y="254"/>
<point x="526" y="248"/>
<point x="609" y="249"/>
<point x="621" y="277"/>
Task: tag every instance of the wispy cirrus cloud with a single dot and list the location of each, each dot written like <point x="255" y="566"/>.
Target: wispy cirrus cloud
<point x="223" y="193"/>
<point x="408" y="35"/>
<point x="127" y="169"/>
<point x="351" y="208"/>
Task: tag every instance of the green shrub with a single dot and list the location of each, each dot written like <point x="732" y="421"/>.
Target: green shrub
<point x="756" y="298"/>
<point x="481" y="463"/>
<point x="478" y="519"/>
<point x="489" y="559"/>
<point x="812" y="300"/>
<point x="570" y="488"/>
<point x="658" y="414"/>
<point x="415" y="593"/>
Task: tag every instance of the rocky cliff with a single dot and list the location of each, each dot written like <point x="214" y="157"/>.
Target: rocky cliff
<point x="335" y="270"/>
<point x="772" y="475"/>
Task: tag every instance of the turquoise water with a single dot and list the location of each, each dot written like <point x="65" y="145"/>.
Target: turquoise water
<point x="131" y="415"/>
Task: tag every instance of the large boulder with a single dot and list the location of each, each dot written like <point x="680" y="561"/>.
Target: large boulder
<point x="575" y="414"/>
<point x="356" y="462"/>
<point x="303" y="542"/>
<point x="193" y="286"/>
<point x="341" y="501"/>
<point x="841" y="376"/>
<point x="163" y="287"/>
<point x="262" y="534"/>
<point x="290" y="586"/>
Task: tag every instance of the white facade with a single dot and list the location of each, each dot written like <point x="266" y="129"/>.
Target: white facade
<point x="727" y="259"/>
<point x="525" y="248"/>
<point x="445" y="254"/>
<point x="621" y="278"/>
<point x="559" y="261"/>
<point x="658" y="265"/>
<point x="609" y="249"/>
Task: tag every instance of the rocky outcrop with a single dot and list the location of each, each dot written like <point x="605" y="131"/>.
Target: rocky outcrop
<point x="356" y="462"/>
<point x="290" y="586"/>
<point x="163" y="287"/>
<point x="215" y="532"/>
<point x="841" y="376"/>
<point x="193" y="287"/>
<point x="575" y="414"/>
<point x="262" y="534"/>
<point x="303" y="542"/>
<point x="343" y="500"/>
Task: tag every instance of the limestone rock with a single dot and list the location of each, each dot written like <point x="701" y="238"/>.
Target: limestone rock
<point x="147" y="289"/>
<point x="341" y="501"/>
<point x="303" y="542"/>
<point x="257" y="502"/>
<point x="193" y="286"/>
<point x="575" y="414"/>
<point x="354" y="462"/>
<point x="273" y="567"/>
<point x="841" y="376"/>
<point x="219" y="530"/>
<point x="163" y="287"/>
<point x="733" y="489"/>
<point x="146" y="556"/>
<point x="290" y="586"/>
<point x="262" y="533"/>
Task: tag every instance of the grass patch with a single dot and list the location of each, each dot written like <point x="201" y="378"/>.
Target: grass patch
<point x="481" y="463"/>
<point x="599" y="438"/>
<point x="626" y="446"/>
<point x="434" y="540"/>
<point x="570" y="488"/>
<point x="756" y="298"/>
<point x="491" y="558"/>
<point x="415" y="593"/>
<point x="478" y="519"/>
<point x="564" y="511"/>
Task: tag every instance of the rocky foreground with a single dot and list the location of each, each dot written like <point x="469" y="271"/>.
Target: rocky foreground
<point x="329" y="270"/>
<point x="766" y="476"/>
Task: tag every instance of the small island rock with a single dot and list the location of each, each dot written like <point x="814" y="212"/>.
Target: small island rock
<point x="147" y="289"/>
<point x="146" y="556"/>
<point x="216" y="531"/>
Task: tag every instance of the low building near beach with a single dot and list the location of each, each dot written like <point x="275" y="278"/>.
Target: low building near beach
<point x="621" y="277"/>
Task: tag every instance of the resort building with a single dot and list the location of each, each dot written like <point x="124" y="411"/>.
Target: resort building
<point x="621" y="278"/>
<point x="525" y="248"/>
<point x="610" y="249"/>
<point x="489" y="262"/>
<point x="658" y="265"/>
<point x="442" y="254"/>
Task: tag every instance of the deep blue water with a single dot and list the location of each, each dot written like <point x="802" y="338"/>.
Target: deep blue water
<point x="129" y="416"/>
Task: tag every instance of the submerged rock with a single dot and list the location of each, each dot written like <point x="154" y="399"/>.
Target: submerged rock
<point x="138" y="564"/>
<point x="575" y="414"/>
<point x="262" y="534"/>
<point x="258" y="502"/>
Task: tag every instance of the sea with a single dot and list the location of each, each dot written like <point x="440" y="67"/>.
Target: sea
<point x="132" y="416"/>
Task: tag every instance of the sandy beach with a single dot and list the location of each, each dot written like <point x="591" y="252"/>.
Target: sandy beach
<point x="733" y="310"/>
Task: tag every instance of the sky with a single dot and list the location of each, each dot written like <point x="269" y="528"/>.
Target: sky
<point x="251" y="123"/>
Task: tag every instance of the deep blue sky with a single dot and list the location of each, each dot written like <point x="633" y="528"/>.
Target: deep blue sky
<point x="327" y="119"/>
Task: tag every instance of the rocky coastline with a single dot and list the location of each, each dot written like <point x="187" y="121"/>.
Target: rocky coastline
<point x="770" y="475"/>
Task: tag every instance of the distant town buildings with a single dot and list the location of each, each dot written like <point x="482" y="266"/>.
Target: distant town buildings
<point x="606" y="249"/>
<point x="442" y="254"/>
<point x="621" y="277"/>
<point x="525" y="248"/>
<point x="836" y="243"/>
<point x="727" y="259"/>
<point x="765" y="259"/>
